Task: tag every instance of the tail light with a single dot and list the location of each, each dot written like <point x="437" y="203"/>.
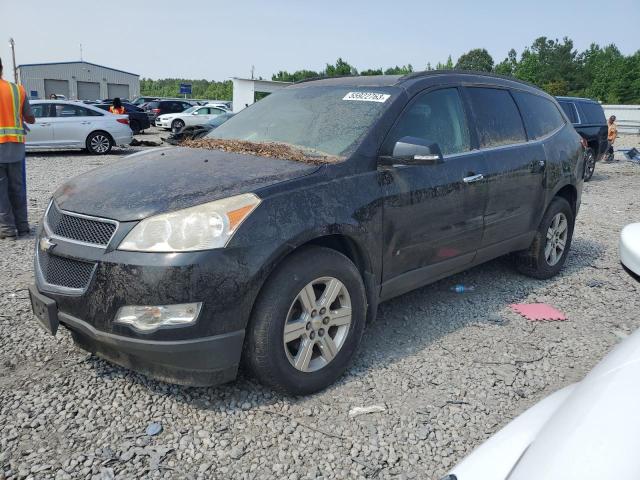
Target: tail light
<point x="583" y="142"/>
<point x="156" y="111"/>
<point x="123" y="120"/>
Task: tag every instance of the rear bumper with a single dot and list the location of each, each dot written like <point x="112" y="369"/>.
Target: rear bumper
<point x="195" y="362"/>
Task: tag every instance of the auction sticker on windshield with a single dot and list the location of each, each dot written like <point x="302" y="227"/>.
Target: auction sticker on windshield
<point x="367" y="96"/>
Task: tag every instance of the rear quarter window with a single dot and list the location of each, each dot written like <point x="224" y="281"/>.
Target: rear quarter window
<point x="570" y="110"/>
<point x="540" y="115"/>
<point x="593" y="113"/>
<point x="498" y="121"/>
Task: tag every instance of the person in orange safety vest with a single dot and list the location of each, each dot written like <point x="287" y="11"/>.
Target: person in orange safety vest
<point x="117" y="107"/>
<point x="14" y="112"/>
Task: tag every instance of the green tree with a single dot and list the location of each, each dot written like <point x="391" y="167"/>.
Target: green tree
<point x="508" y="65"/>
<point x="371" y="71"/>
<point x="399" y="70"/>
<point x="477" y="59"/>
<point x="340" y="68"/>
<point x="445" y="66"/>
<point x="283" y="76"/>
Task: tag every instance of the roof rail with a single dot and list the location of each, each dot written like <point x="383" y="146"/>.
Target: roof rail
<point x="426" y="73"/>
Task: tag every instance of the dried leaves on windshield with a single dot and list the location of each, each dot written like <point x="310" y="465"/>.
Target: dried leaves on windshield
<point x="271" y="150"/>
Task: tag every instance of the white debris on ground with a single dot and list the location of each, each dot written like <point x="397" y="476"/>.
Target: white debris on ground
<point x="450" y="369"/>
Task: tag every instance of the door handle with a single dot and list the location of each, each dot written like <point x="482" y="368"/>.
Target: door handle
<point x="473" y="178"/>
<point x="85" y="123"/>
<point x="43" y="124"/>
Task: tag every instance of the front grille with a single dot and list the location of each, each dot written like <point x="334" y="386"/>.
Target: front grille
<point x="65" y="272"/>
<point x="79" y="228"/>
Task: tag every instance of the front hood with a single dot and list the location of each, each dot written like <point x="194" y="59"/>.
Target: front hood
<point x="166" y="179"/>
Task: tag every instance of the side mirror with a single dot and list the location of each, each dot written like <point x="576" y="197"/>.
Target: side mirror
<point x="413" y="151"/>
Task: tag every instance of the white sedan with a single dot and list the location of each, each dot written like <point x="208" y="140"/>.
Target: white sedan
<point x="198" y="115"/>
<point x="65" y="125"/>
<point x="630" y="248"/>
<point x="586" y="431"/>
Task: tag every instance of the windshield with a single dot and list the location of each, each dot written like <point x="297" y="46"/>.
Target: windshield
<point x="326" y="120"/>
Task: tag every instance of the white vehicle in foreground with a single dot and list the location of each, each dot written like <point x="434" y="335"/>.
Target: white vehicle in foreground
<point x="64" y="125"/>
<point x="198" y="115"/>
<point x="630" y="248"/>
<point x="586" y="431"/>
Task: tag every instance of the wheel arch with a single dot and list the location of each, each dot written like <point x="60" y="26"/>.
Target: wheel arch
<point x="570" y="194"/>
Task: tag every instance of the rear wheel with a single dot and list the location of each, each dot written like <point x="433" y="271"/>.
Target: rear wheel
<point x="99" y="143"/>
<point x="589" y="164"/>
<point x="548" y="251"/>
<point x="135" y="126"/>
<point x="177" y="125"/>
<point x="307" y="322"/>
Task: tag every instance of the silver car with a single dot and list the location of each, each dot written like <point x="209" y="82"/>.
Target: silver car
<point x="65" y="125"/>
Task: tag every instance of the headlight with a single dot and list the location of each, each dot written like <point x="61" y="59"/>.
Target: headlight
<point x="148" y="319"/>
<point x="203" y="227"/>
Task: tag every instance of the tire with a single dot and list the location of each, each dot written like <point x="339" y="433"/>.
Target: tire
<point x="538" y="260"/>
<point x="277" y="360"/>
<point x="589" y="164"/>
<point x="177" y="125"/>
<point x="135" y="126"/>
<point x="99" y="143"/>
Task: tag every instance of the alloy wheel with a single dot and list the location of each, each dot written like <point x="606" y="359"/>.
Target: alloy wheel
<point x="590" y="165"/>
<point x="557" y="235"/>
<point x="317" y="324"/>
<point x="100" y="143"/>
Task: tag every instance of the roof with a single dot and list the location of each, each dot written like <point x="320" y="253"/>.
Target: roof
<point x="393" y="80"/>
<point x="79" y="61"/>
<point x="579" y="99"/>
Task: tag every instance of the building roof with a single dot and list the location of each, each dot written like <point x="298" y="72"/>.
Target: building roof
<point x="78" y="61"/>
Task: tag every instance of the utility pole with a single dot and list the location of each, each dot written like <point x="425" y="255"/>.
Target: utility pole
<point x="13" y="54"/>
<point x="252" y="70"/>
<point x="80" y="52"/>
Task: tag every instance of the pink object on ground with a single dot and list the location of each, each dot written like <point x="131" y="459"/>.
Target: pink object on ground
<point x="538" y="311"/>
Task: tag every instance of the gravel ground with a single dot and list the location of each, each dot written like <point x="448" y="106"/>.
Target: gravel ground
<point x="447" y="369"/>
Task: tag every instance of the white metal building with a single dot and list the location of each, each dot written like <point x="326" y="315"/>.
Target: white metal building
<point x="245" y="89"/>
<point x="77" y="81"/>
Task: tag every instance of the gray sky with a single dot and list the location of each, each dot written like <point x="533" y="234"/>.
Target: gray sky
<point x="217" y="40"/>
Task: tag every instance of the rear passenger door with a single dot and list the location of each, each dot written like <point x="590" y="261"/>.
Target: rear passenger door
<point x="73" y="123"/>
<point x="514" y="166"/>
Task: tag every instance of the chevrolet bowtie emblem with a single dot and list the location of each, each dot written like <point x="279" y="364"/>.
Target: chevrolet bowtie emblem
<point x="46" y="244"/>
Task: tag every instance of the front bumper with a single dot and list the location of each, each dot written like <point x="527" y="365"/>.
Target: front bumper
<point x="163" y="124"/>
<point x="195" y="362"/>
<point x="206" y="353"/>
<point x="630" y="248"/>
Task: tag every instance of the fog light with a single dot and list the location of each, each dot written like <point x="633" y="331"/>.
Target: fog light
<point x="150" y="318"/>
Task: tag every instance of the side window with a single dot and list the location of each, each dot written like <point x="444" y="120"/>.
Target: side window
<point x="217" y="111"/>
<point x="436" y="116"/>
<point x="541" y="116"/>
<point x="202" y="111"/>
<point x="40" y="110"/>
<point x="593" y="113"/>
<point x="65" y="111"/>
<point x="570" y="109"/>
<point x="497" y="117"/>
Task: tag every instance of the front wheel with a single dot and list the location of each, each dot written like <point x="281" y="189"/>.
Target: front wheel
<point x="177" y="125"/>
<point x="307" y="322"/>
<point x="99" y="143"/>
<point x="589" y="164"/>
<point x="548" y="251"/>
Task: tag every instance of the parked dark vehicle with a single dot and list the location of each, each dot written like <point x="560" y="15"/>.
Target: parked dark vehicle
<point x="142" y="100"/>
<point x="182" y="263"/>
<point x="587" y="117"/>
<point x="138" y="118"/>
<point x="160" y="107"/>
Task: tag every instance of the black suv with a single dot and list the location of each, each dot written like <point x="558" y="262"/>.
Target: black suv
<point x="160" y="107"/>
<point x="181" y="263"/>
<point x="138" y="118"/>
<point x="587" y="117"/>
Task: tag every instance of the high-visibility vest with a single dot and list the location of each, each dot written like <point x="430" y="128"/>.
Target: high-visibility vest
<point x="12" y="98"/>
<point x="117" y="110"/>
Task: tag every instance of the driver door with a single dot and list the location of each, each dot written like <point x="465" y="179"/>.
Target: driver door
<point x="433" y="214"/>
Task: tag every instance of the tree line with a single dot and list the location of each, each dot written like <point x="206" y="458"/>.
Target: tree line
<point x="602" y="73"/>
